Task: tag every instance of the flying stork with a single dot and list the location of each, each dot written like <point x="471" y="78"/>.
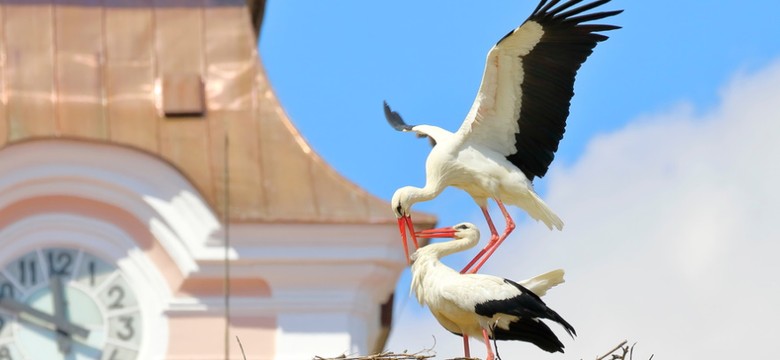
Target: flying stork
<point x="512" y="131"/>
<point x="479" y="305"/>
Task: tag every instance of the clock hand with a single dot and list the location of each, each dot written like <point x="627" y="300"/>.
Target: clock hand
<point x="60" y="305"/>
<point x="16" y="307"/>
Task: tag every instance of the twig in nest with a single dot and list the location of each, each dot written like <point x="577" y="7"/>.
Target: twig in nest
<point x="627" y="350"/>
<point x="616" y="348"/>
<point x="387" y="355"/>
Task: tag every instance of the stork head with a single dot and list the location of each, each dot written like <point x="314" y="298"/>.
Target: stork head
<point x="464" y="235"/>
<point x="459" y="231"/>
<point x="401" y="202"/>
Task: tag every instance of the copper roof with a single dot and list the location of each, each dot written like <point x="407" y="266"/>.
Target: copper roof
<point x="257" y="12"/>
<point x="174" y="78"/>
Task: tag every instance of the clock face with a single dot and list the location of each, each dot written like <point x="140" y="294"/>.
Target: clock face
<point x="60" y="303"/>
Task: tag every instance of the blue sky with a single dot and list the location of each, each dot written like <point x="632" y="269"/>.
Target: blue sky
<point x="676" y="67"/>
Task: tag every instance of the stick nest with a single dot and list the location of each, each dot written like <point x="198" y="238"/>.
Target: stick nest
<point x="387" y="355"/>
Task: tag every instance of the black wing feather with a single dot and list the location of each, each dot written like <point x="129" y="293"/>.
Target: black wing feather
<point x="395" y="120"/>
<point x="594" y="16"/>
<point x="542" y="8"/>
<point x="548" y="83"/>
<point x="532" y="331"/>
<point x="581" y="9"/>
<point x="563" y="7"/>
<point x="530" y="310"/>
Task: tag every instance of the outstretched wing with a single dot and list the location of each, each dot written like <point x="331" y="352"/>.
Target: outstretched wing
<point x="523" y="101"/>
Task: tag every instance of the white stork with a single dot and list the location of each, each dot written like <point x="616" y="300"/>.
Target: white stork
<point x="482" y="305"/>
<point x="512" y="131"/>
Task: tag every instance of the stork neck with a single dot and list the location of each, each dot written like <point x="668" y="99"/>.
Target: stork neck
<point x="426" y="193"/>
<point x="427" y="263"/>
<point x="440" y="250"/>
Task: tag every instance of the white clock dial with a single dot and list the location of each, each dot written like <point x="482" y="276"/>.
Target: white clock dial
<point x="59" y="303"/>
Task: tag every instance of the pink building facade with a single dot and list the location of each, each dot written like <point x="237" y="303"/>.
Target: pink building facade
<point x="140" y="146"/>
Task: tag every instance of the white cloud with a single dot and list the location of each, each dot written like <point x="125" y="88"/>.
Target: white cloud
<point x="671" y="237"/>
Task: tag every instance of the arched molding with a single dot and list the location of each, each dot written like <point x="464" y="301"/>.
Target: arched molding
<point x="148" y="188"/>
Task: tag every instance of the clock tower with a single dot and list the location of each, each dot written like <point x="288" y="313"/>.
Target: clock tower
<point x="144" y="160"/>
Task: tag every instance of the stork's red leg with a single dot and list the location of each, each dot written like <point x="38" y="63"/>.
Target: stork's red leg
<point x="466" y="351"/>
<point x="492" y="246"/>
<point x="486" y="338"/>
<point x="493" y="239"/>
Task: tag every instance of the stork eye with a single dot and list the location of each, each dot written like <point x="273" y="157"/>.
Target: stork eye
<point x="399" y="210"/>
<point x="461" y="227"/>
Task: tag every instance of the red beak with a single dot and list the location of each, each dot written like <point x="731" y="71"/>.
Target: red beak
<point x="404" y="223"/>
<point x="445" y="232"/>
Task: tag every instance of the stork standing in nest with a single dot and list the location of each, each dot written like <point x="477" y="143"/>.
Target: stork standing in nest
<point x="479" y="305"/>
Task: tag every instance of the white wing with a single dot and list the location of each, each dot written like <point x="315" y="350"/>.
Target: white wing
<point x="523" y="101"/>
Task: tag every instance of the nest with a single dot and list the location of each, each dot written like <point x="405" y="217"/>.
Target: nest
<point x="387" y="355"/>
<point x="620" y="352"/>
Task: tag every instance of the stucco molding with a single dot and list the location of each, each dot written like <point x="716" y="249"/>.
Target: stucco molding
<point x="141" y="184"/>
